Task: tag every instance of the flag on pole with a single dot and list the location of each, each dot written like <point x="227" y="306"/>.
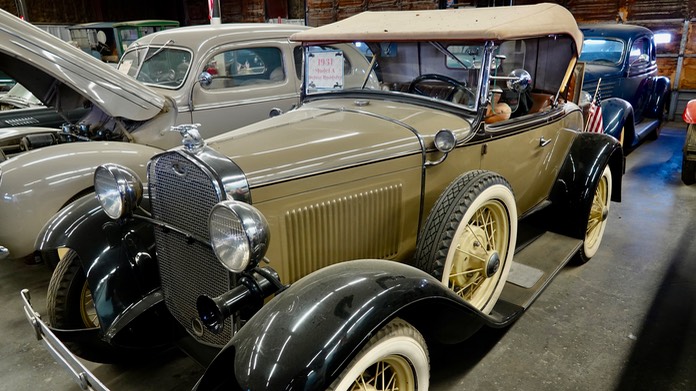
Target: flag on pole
<point x="211" y="6"/>
<point x="595" y="123"/>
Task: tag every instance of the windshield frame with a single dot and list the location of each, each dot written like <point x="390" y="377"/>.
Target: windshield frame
<point x="477" y="92"/>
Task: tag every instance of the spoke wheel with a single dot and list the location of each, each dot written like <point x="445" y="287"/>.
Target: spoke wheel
<point x="597" y="217"/>
<point x="468" y="239"/>
<point x="475" y="260"/>
<point x="396" y="358"/>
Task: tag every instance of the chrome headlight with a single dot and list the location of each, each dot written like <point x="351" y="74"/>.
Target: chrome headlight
<point x="445" y="141"/>
<point x="118" y="188"/>
<point x="239" y="235"/>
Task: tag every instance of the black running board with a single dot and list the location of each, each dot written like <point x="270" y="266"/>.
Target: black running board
<point x="533" y="268"/>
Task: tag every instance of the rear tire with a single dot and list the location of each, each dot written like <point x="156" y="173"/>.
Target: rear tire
<point x="688" y="173"/>
<point x="596" y="219"/>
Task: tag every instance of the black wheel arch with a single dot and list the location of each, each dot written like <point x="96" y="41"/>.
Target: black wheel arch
<point x="119" y="262"/>
<point x="325" y="318"/>
<point x="573" y="191"/>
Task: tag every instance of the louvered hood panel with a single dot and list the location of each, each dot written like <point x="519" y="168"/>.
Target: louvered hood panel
<point x="315" y="240"/>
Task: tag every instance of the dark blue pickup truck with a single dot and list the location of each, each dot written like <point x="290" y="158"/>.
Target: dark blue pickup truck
<point x="624" y="58"/>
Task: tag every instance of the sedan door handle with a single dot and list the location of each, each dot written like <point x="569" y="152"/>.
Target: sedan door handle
<point x="544" y="142"/>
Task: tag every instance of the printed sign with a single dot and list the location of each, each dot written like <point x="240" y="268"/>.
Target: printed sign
<point x="325" y="70"/>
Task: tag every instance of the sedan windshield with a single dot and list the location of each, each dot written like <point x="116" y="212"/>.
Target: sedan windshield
<point x="161" y="66"/>
<point x="602" y="51"/>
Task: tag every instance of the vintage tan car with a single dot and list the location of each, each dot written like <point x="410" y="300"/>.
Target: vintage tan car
<point x="396" y="207"/>
<point x="43" y="169"/>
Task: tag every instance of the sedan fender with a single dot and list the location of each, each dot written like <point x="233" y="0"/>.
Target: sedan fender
<point x="689" y="115"/>
<point x="305" y="336"/>
<point x="617" y="116"/>
<point x="659" y="99"/>
<point x="36" y="185"/>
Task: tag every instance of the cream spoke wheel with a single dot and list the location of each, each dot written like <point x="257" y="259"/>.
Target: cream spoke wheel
<point x="468" y="239"/>
<point x="88" y="311"/>
<point x="597" y="217"/>
<point x="476" y="258"/>
<point x="395" y="359"/>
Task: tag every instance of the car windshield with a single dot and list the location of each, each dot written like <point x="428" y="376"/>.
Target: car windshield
<point x="447" y="72"/>
<point x="159" y="66"/>
<point x="18" y="97"/>
<point x="602" y="51"/>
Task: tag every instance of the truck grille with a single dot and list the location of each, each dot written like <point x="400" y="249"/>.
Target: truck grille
<point x="182" y="193"/>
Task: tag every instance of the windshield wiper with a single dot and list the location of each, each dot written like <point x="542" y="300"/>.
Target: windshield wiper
<point x="157" y="51"/>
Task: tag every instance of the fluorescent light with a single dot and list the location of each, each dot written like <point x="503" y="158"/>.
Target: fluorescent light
<point x="663" y="38"/>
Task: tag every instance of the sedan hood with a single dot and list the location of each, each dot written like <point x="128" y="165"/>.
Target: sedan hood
<point x="64" y="76"/>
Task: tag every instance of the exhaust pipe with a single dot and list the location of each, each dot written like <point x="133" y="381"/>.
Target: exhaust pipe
<point x="248" y="296"/>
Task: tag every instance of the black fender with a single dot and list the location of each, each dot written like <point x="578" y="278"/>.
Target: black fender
<point x="119" y="261"/>
<point x="573" y="191"/>
<point x="305" y="337"/>
<point x="659" y="100"/>
<point x="617" y="115"/>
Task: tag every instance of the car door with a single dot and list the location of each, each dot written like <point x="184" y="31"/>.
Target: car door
<point x="528" y="152"/>
<point x="247" y="82"/>
<point x="641" y="69"/>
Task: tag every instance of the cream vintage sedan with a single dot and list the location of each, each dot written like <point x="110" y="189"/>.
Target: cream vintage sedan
<point x="327" y="247"/>
<point x="221" y="76"/>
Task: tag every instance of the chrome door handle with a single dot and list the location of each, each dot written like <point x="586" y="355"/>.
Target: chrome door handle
<point x="544" y="142"/>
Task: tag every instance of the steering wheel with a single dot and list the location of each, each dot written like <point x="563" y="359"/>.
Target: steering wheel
<point x="458" y="86"/>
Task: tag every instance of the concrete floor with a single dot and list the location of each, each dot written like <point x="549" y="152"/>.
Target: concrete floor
<point x="624" y="321"/>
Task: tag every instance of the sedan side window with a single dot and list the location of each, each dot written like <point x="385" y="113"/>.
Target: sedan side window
<point x="246" y="67"/>
<point x="639" y="47"/>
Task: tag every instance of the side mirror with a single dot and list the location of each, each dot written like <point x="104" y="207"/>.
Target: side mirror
<point x="519" y="80"/>
<point x="205" y="79"/>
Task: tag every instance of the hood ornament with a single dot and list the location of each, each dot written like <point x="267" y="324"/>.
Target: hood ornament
<point x="192" y="140"/>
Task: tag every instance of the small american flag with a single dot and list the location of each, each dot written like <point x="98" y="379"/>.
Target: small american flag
<point x="594" y="116"/>
<point x="211" y="6"/>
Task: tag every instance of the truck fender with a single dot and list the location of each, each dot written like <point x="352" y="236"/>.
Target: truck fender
<point x="573" y="191"/>
<point x="35" y="185"/>
<point x="689" y="114"/>
<point x="118" y="257"/>
<point x="659" y="99"/>
<point x="617" y="115"/>
<point x="306" y="336"/>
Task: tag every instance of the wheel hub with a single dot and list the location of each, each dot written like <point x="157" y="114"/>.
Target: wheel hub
<point x="492" y="264"/>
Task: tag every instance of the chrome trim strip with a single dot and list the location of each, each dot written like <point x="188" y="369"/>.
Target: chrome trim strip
<point x="79" y="373"/>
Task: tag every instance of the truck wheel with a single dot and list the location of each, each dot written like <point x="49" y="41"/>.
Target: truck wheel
<point x="688" y="174"/>
<point x="596" y="219"/>
<point x="396" y="358"/>
<point x="468" y="239"/>
<point x="70" y="306"/>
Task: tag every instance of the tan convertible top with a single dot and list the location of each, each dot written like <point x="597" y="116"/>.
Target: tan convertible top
<point x="496" y="23"/>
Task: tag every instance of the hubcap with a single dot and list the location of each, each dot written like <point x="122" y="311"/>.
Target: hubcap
<point x="492" y="265"/>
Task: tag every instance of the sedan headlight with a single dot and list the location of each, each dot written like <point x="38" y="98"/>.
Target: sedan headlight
<point x="239" y="235"/>
<point x="118" y="189"/>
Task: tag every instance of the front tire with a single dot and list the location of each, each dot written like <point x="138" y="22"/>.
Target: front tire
<point x="468" y="240"/>
<point x="597" y="218"/>
<point x="70" y="307"/>
<point x="396" y="358"/>
<point x="688" y="174"/>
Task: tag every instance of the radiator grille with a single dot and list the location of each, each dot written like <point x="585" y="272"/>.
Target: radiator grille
<point x="606" y="88"/>
<point x="363" y="225"/>
<point x="182" y="195"/>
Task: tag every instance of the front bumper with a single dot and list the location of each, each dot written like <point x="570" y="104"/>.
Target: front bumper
<point x="79" y="373"/>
